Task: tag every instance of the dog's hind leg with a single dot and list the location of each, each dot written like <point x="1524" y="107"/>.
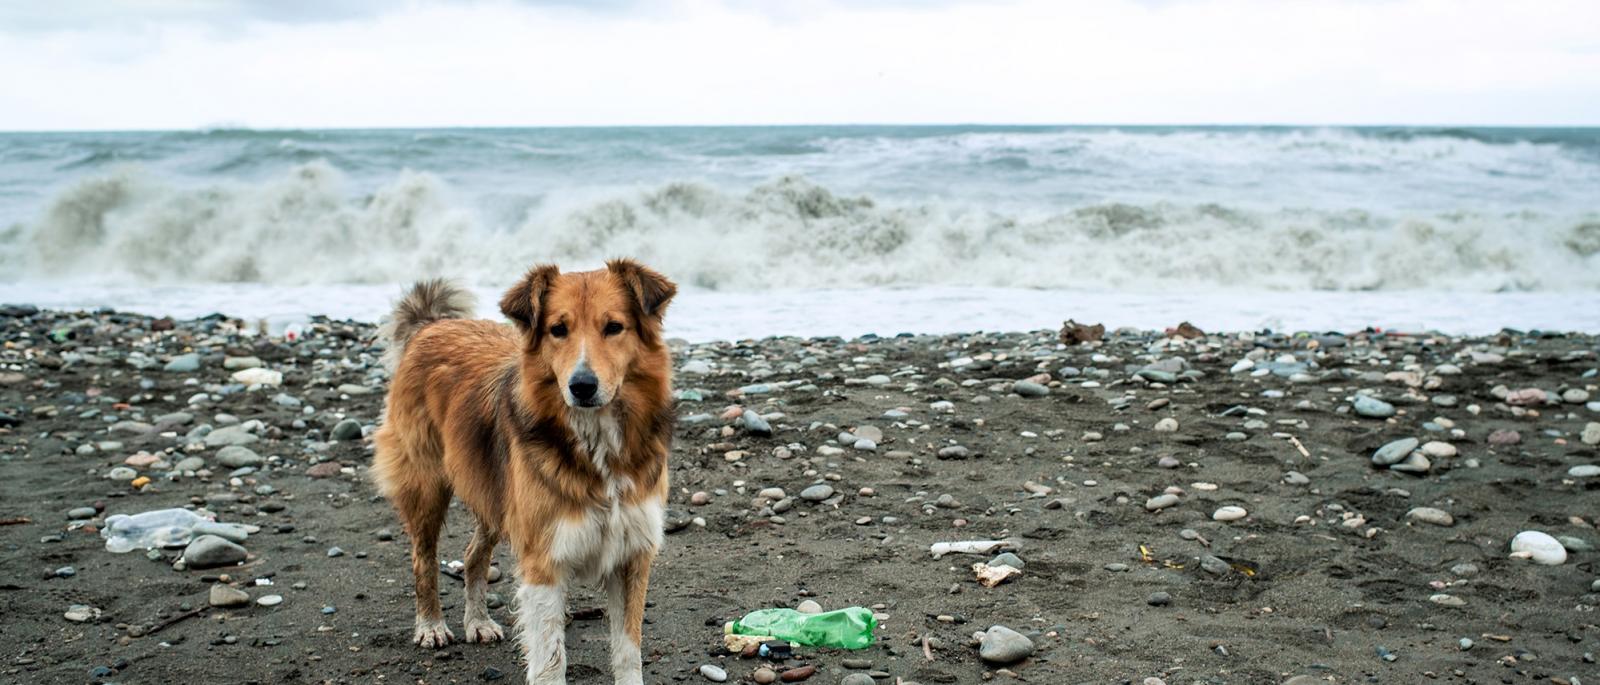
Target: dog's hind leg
<point x="422" y="507"/>
<point x="479" y="626"/>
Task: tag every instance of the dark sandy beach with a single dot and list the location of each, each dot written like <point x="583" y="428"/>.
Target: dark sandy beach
<point x="1337" y="571"/>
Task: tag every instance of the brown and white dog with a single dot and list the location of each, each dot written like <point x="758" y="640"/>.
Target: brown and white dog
<point x="554" y="432"/>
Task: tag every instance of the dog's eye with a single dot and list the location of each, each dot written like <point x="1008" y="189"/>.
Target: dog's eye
<point x="559" y="330"/>
<point x="613" y="328"/>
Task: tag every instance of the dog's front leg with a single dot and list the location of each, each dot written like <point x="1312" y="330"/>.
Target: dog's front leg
<point x="542" y="618"/>
<point x="625" y="591"/>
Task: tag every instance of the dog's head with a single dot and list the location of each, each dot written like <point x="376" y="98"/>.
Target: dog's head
<point x="590" y="328"/>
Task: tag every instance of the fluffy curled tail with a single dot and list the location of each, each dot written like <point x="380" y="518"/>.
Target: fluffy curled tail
<point x="427" y="301"/>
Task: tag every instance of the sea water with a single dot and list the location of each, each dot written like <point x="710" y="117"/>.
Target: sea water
<point x="829" y="230"/>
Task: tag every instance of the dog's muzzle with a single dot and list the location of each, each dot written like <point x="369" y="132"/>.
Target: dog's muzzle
<point x="584" y="387"/>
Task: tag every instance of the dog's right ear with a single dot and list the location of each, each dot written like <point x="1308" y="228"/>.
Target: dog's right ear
<point x="524" y="302"/>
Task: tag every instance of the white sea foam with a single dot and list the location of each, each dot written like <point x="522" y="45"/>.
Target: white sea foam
<point x="304" y="227"/>
<point x="829" y="229"/>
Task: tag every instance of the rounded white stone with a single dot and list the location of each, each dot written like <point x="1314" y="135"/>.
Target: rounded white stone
<point x="1540" y="547"/>
<point x="1229" y="513"/>
<point x="1439" y="449"/>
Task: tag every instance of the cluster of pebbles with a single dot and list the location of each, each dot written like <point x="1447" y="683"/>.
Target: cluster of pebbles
<point x="1146" y="506"/>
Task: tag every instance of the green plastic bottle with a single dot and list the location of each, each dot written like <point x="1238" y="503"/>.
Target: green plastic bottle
<point x="846" y="628"/>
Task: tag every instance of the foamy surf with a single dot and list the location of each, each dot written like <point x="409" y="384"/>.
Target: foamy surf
<point x="928" y="229"/>
<point x="303" y="227"/>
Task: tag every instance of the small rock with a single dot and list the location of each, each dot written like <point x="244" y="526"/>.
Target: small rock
<point x="713" y="673"/>
<point x="1437" y="517"/>
<point x="327" y="469"/>
<point x="1002" y="645"/>
<point x="1158" y="599"/>
<point x="795" y="675"/>
<point x="240" y="363"/>
<point x="754" y="424"/>
<point x="1228" y="513"/>
<point x="817" y="493"/>
<point x="210" y="551"/>
<point x="229" y="435"/>
<point x="1505" y="438"/>
<point x="238" y="456"/>
<point x="1160" y="502"/>
<point x="223" y="595"/>
<point x="1540" y="548"/>
<point x="1372" y="407"/>
<point x="1394" y="452"/>
<point x="258" y="377"/>
<point x="1438" y="449"/>
<point x="1214" y="566"/>
<point x="348" y="429"/>
<point x="184" y="363"/>
<point x="1415" y="462"/>
<point x="270" y="600"/>
<point x="1167" y="425"/>
<point x="808" y="607"/>
<point x="1029" y="389"/>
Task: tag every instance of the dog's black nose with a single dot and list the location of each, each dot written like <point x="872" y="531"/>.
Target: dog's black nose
<point x="583" y="385"/>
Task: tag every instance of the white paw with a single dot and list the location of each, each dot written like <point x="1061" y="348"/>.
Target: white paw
<point x="484" y="630"/>
<point x="432" y="634"/>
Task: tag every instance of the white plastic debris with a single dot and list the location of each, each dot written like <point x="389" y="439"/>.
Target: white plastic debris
<point x="161" y="528"/>
<point x="940" y="549"/>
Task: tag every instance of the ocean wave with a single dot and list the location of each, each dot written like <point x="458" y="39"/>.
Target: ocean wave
<point x="305" y="226"/>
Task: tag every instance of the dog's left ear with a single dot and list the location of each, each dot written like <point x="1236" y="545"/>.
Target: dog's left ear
<point x="523" y="304"/>
<point x="650" y="290"/>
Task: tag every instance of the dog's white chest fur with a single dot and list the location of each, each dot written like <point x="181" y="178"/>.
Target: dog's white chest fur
<point x="606" y="536"/>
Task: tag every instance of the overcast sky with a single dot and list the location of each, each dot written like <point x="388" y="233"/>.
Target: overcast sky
<point x="140" y="64"/>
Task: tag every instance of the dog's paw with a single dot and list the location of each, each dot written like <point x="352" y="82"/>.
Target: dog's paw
<point x="432" y="634"/>
<point x="484" y="630"/>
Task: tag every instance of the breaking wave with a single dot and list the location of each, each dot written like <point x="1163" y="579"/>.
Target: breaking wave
<point x="306" y="226"/>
